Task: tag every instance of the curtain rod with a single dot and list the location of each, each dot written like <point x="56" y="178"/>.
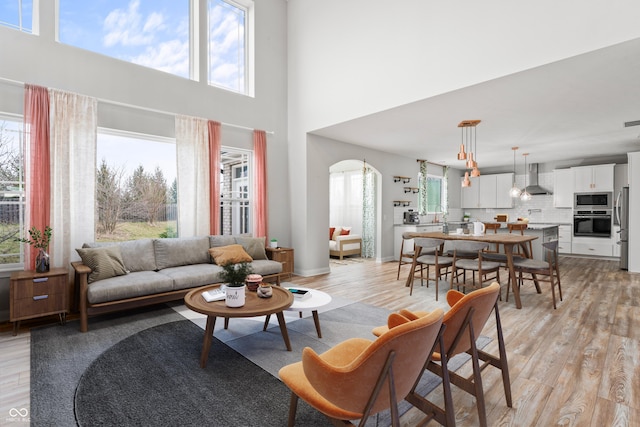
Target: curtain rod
<point x="431" y="163"/>
<point x="137" y="107"/>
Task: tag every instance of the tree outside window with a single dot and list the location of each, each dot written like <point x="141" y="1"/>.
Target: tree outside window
<point x="12" y="195"/>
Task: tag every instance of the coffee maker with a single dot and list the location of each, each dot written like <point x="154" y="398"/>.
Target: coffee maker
<point x="411" y="217"/>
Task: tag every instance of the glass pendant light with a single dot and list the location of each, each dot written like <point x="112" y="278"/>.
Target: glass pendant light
<point x="525" y="196"/>
<point x="515" y="191"/>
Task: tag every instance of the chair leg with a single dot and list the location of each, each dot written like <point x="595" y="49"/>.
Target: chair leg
<point x="293" y="407"/>
<point x="504" y="365"/>
<point x="477" y="380"/>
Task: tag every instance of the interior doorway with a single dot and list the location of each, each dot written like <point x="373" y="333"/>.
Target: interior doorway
<point x="355" y="202"/>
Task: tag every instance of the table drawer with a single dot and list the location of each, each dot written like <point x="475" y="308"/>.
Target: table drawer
<point x="38" y="305"/>
<point x="37" y="286"/>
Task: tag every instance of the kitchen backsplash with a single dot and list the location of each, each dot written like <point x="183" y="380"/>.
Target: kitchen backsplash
<point x="538" y="209"/>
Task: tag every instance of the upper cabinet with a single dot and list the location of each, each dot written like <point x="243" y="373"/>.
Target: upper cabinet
<point x="593" y="178"/>
<point x="563" y="188"/>
<point x="488" y="191"/>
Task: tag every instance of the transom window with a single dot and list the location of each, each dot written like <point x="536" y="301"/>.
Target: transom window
<point x="228" y="45"/>
<point x="152" y="33"/>
<point x="17" y="14"/>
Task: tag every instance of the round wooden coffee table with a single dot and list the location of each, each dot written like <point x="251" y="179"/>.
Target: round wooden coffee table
<point x="254" y="306"/>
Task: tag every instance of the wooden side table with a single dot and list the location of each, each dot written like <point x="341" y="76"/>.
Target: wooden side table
<point x="34" y="294"/>
<point x="283" y="255"/>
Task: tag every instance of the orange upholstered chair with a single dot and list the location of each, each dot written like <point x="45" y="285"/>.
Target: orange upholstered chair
<point x="463" y="324"/>
<point x="359" y="377"/>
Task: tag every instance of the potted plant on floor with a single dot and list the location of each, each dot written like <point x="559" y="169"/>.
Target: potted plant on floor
<point x="39" y="240"/>
<point x="234" y="276"/>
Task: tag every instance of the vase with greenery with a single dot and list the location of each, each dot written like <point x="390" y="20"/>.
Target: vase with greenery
<point x="39" y="240"/>
<point x="234" y="275"/>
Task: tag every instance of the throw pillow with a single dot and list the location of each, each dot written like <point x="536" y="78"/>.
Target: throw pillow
<point x="336" y="233"/>
<point x="232" y="254"/>
<point x="331" y="231"/>
<point x="254" y="246"/>
<point x="345" y="231"/>
<point x="104" y="262"/>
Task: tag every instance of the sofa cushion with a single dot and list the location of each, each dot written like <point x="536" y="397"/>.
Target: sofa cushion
<point x="217" y="241"/>
<point x="104" y="262"/>
<point x="232" y="254"/>
<point x="266" y="267"/>
<point x="132" y="285"/>
<point x="138" y="255"/>
<point x="254" y="246"/>
<point x="174" y="252"/>
<point x="190" y="276"/>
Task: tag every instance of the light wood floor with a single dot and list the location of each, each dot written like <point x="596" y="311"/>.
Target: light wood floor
<point x="578" y="365"/>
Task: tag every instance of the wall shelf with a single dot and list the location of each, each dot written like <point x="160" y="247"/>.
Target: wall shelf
<point x="413" y="190"/>
<point x="403" y="203"/>
<point x="404" y="179"/>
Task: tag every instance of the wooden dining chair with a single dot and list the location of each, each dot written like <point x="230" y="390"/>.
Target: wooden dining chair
<point x="406" y="255"/>
<point x="428" y="253"/>
<point x="520" y="226"/>
<point x="541" y="271"/>
<point x="488" y="227"/>
<point x="479" y="265"/>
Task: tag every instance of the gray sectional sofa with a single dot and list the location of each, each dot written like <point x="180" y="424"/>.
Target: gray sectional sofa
<point x="121" y="275"/>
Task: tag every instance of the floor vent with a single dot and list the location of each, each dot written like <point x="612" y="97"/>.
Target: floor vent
<point x="634" y="123"/>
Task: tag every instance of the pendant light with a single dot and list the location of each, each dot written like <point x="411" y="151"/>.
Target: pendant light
<point x="468" y="149"/>
<point x="525" y="196"/>
<point x="515" y="191"/>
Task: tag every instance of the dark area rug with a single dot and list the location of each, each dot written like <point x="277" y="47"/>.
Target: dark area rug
<point x="154" y="378"/>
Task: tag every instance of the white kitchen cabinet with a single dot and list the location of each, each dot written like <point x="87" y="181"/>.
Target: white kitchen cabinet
<point x="565" y="236"/>
<point x="591" y="246"/>
<point x="504" y="182"/>
<point x="563" y="188"/>
<point x="469" y="196"/>
<point x="593" y="178"/>
<point x="616" y="238"/>
<point x="487" y="195"/>
<point x="488" y="191"/>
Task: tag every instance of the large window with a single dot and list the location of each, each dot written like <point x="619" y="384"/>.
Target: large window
<point x="12" y="196"/>
<point x="153" y="33"/>
<point x="235" y="191"/>
<point x="136" y="187"/>
<point x="228" y="45"/>
<point x="17" y="14"/>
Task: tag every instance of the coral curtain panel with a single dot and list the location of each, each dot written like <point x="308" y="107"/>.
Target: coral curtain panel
<point x="74" y="124"/>
<point x="260" y="185"/>
<point x="192" y="149"/>
<point x="36" y="127"/>
<point x="214" y="172"/>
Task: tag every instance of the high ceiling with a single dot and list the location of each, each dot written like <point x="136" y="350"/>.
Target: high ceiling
<point x="568" y="113"/>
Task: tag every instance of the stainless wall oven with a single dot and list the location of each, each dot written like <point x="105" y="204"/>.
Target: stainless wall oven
<point x="592" y="223"/>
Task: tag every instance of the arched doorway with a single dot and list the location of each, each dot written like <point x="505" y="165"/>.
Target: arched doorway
<point x="355" y="202"/>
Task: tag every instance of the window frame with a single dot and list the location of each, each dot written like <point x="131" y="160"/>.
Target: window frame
<point x="243" y="214"/>
<point x="442" y="194"/>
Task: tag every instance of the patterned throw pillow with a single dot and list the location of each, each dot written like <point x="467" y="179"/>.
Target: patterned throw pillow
<point x="233" y="254"/>
<point x="104" y="262"/>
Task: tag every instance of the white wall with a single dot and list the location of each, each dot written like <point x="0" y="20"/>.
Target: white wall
<point x="39" y="59"/>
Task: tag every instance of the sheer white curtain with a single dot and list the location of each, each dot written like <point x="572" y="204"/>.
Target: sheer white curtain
<point x="192" y="150"/>
<point x="368" y="212"/>
<point x="345" y="204"/>
<point x="73" y="170"/>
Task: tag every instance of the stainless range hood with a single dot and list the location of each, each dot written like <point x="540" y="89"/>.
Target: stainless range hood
<point x="532" y="179"/>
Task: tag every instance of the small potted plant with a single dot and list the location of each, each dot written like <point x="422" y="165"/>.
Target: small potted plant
<point x="234" y="276"/>
<point x="39" y="240"/>
<point x="273" y="243"/>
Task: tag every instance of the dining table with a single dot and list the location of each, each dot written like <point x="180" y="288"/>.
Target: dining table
<point x="507" y="240"/>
